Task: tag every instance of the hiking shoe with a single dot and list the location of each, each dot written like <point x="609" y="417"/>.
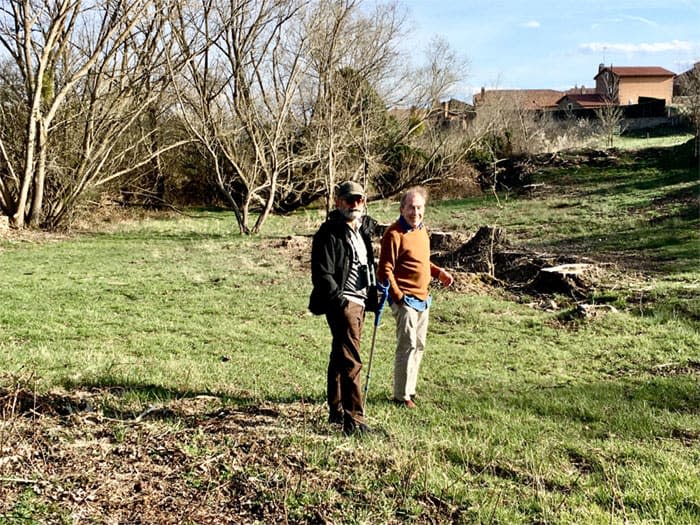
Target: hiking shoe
<point x="406" y="403"/>
<point x="360" y="430"/>
<point x="335" y="418"/>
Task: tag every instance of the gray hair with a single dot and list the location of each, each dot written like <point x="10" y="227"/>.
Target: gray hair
<point x="415" y="190"/>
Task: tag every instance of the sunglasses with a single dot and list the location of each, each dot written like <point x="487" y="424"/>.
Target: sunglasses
<point x="352" y="199"/>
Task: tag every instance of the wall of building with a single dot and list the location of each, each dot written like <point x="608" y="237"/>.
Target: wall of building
<point x="605" y="84"/>
<point x="631" y="88"/>
<point x="647" y="123"/>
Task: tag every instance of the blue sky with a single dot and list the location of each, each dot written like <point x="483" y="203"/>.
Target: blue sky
<point x="540" y="44"/>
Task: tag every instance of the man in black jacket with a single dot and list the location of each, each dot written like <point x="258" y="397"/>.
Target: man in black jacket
<point x="343" y="277"/>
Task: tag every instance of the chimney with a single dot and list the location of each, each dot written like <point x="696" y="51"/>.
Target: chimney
<point x="601" y="66"/>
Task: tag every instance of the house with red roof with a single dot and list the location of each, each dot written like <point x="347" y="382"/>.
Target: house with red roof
<point x="577" y="101"/>
<point x="532" y="99"/>
<point x="625" y="85"/>
<point x="643" y="91"/>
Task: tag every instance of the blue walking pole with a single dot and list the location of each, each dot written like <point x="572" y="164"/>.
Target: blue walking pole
<point x="382" y="289"/>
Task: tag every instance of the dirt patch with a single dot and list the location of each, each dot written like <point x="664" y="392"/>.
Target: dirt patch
<point x="489" y="252"/>
<point x="296" y="249"/>
<point x="67" y="457"/>
<point x="677" y="369"/>
<point x="30" y="236"/>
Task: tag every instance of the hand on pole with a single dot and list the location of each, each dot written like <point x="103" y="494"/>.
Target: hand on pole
<point x="382" y="296"/>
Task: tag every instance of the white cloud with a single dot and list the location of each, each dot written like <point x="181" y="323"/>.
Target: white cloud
<point x="643" y="20"/>
<point x="656" y="47"/>
<point x="532" y="24"/>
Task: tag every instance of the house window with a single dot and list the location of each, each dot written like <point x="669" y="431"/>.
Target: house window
<point x="569" y="106"/>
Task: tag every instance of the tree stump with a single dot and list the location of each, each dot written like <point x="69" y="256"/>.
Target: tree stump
<point x="441" y="241"/>
<point x="477" y="254"/>
<point x="575" y="280"/>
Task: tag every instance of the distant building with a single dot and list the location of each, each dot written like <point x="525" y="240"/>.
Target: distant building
<point x="583" y="90"/>
<point x="577" y="101"/>
<point x="455" y="113"/>
<point x="681" y="80"/>
<point x="625" y="85"/>
<point x="449" y="113"/>
<point x="532" y="99"/>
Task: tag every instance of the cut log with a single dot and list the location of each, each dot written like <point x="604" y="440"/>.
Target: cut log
<point x="576" y="280"/>
<point x="592" y="310"/>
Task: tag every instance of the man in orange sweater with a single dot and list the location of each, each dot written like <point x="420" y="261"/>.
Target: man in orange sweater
<point x="404" y="263"/>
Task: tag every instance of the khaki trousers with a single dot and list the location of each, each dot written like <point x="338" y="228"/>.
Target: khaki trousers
<point x="344" y="380"/>
<point x="411" y="332"/>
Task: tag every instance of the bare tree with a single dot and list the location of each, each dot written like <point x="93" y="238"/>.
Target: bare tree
<point x="420" y="147"/>
<point x="352" y="51"/>
<point x="611" y="117"/>
<point x="237" y="95"/>
<point x="89" y="72"/>
<point x="690" y="101"/>
<point x="611" y="120"/>
<point x="432" y="80"/>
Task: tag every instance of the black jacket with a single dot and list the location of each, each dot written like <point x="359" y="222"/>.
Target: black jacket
<point x="331" y="259"/>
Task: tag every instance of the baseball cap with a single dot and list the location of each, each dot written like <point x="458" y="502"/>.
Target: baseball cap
<point x="349" y="188"/>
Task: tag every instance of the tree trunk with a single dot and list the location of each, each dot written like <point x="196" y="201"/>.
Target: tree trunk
<point x="18" y="219"/>
<point x="39" y="179"/>
<point x="268" y="202"/>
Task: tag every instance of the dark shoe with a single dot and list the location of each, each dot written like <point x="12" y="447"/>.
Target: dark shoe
<point x="360" y="430"/>
<point x="406" y="403"/>
<point x="335" y="418"/>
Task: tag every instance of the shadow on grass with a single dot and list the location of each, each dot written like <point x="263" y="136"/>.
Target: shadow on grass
<point x="667" y="242"/>
<point x="151" y="235"/>
<point x="119" y="400"/>
<point x="632" y="181"/>
<point x="629" y="408"/>
<point x="151" y="395"/>
<point x="623" y="408"/>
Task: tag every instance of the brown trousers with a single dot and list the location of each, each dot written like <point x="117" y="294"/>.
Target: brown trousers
<point x="344" y="379"/>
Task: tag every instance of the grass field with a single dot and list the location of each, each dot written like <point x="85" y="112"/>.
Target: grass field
<point x="166" y="370"/>
<point x="635" y="140"/>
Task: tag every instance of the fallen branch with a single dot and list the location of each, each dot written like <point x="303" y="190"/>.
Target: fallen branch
<point x="23" y="481"/>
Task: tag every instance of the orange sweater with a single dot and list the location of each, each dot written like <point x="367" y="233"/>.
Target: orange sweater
<point x="404" y="261"/>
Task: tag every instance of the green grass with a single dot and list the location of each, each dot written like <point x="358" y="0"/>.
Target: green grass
<point x="631" y="141"/>
<point x="525" y="416"/>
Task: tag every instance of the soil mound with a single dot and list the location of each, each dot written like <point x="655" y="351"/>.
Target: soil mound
<point x="489" y="252"/>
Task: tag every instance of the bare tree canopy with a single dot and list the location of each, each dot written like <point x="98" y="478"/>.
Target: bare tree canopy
<point x="88" y="72"/>
<point x="278" y="99"/>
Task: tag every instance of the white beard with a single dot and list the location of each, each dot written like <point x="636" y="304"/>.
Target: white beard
<point x="351" y="215"/>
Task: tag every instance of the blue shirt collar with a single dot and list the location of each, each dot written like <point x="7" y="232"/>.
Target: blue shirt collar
<point x="407" y="227"/>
